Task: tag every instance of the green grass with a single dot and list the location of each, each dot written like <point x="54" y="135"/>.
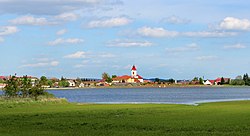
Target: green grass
<point x="64" y="119"/>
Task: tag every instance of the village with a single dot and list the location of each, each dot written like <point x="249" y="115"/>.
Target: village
<point x="132" y="80"/>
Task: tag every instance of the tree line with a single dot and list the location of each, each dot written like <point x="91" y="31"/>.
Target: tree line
<point x="23" y="87"/>
<point x="239" y="80"/>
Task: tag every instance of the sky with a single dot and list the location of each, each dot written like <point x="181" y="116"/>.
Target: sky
<point x="178" y="39"/>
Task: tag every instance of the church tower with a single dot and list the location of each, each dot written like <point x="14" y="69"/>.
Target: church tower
<point x="133" y="72"/>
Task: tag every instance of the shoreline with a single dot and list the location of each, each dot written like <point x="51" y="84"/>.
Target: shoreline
<point x="195" y="103"/>
<point x="129" y="87"/>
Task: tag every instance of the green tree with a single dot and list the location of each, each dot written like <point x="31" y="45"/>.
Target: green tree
<point x="25" y="86"/>
<point x="44" y="80"/>
<point x="171" y="80"/>
<point x="157" y="80"/>
<point x="106" y="77"/>
<point x="12" y="88"/>
<point x="78" y="81"/>
<point x="195" y="79"/>
<point x="50" y="83"/>
<point x="201" y="81"/>
<point x="63" y="83"/>
<point x="114" y="76"/>
<point x="2" y="81"/>
<point x="37" y="90"/>
<point x="222" y="81"/>
<point x="246" y="79"/>
<point x="237" y="82"/>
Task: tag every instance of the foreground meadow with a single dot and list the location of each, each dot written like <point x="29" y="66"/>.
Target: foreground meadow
<point x="62" y="118"/>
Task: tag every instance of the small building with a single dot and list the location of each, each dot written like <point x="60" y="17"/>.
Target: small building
<point x="218" y="81"/>
<point x="33" y="80"/>
<point x="71" y="83"/>
<point x="209" y="82"/>
<point x="122" y="79"/>
<point x="82" y="85"/>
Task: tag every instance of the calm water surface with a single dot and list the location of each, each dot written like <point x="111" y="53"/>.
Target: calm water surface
<point x="154" y="95"/>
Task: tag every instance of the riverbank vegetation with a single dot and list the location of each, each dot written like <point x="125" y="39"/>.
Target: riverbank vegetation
<point x="50" y="118"/>
<point x="24" y="88"/>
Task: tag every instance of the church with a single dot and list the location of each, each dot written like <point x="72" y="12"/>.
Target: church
<point x="133" y="78"/>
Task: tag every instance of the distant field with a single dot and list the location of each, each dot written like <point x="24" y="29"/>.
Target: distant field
<point x="224" y="118"/>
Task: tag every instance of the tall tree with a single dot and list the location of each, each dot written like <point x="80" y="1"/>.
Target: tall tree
<point x="201" y="81"/>
<point x="44" y="80"/>
<point x="25" y="86"/>
<point x="12" y="88"/>
<point x="106" y="77"/>
<point x="222" y="81"/>
<point x="37" y="90"/>
<point x="196" y="79"/>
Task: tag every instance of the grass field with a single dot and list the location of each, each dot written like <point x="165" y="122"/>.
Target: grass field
<point x="62" y="118"/>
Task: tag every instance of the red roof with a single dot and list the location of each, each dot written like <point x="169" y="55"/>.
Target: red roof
<point x="2" y="77"/>
<point x="136" y="80"/>
<point x="133" y="68"/>
<point x="212" y="81"/>
<point x="140" y="77"/>
<point x="125" y="77"/>
<point x="219" y="79"/>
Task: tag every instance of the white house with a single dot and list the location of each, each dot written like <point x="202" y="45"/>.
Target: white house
<point x="71" y="83"/>
<point x="82" y="85"/>
<point x="209" y="82"/>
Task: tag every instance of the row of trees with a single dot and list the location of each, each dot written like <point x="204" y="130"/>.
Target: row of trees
<point x="51" y="82"/>
<point x="23" y="87"/>
<point x="197" y="80"/>
<point x="239" y="80"/>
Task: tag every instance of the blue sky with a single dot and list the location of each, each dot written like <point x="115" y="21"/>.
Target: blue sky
<point x="177" y="39"/>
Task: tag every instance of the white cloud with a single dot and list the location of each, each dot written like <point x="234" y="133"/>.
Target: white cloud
<point x="7" y="30"/>
<point x="159" y="32"/>
<point x="175" y="20"/>
<point x="41" y="64"/>
<point x="187" y="48"/>
<point x="236" y="46"/>
<point x="208" y="34"/>
<point x="67" y="17"/>
<point x="66" y="41"/>
<point x="61" y="32"/>
<point x="77" y="55"/>
<point x="129" y="43"/>
<point x="231" y="23"/>
<point x="111" y="22"/>
<point x="156" y="32"/>
<point x="204" y="58"/>
<point x="54" y="63"/>
<point x="30" y="20"/>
